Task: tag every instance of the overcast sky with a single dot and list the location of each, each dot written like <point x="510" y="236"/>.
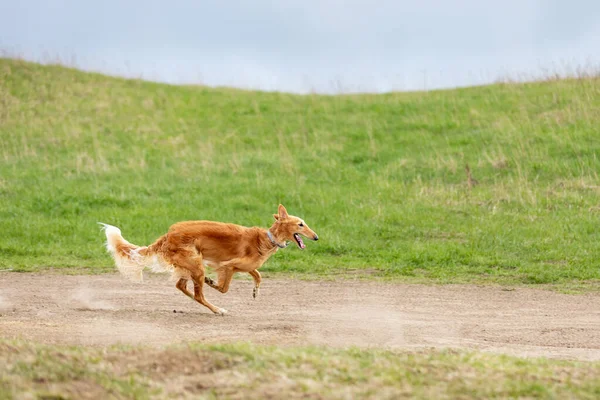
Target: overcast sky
<point x="310" y="45"/>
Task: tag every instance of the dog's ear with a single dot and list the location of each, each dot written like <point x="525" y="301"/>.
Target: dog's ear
<point x="282" y="212"/>
<point x="276" y="217"/>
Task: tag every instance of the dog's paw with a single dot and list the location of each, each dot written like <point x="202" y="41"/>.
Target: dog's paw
<point x="209" y="281"/>
<point x="255" y="292"/>
<point x="220" y="311"/>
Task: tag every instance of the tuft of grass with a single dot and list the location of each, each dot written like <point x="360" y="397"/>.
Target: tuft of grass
<point x="381" y="178"/>
<point x="243" y="370"/>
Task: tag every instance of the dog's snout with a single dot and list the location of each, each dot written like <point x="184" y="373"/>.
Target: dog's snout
<point x="316" y="237"/>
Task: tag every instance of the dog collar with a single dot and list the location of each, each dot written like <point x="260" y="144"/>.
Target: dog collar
<point x="272" y="239"/>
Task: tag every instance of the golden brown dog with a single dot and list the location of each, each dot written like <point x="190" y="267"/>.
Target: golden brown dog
<point x="189" y="246"/>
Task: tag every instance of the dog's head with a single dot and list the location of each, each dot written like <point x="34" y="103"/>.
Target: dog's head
<point x="289" y="228"/>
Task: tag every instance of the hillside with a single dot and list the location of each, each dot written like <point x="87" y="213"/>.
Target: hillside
<point x="381" y="178"/>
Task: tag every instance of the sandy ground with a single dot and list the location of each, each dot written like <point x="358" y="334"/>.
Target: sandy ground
<point x="106" y="309"/>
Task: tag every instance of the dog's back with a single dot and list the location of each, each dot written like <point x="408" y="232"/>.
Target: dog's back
<point x="216" y="241"/>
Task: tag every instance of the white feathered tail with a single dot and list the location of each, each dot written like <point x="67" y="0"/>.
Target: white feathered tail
<point x="130" y="258"/>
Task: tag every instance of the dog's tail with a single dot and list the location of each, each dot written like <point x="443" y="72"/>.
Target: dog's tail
<point x="129" y="258"/>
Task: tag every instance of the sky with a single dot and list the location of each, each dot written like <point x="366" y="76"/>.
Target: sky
<point x="323" y="46"/>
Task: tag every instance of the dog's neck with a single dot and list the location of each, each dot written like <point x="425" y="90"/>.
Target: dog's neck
<point x="274" y="241"/>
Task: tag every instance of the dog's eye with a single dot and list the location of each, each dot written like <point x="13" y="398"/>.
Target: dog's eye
<point x="301" y="224"/>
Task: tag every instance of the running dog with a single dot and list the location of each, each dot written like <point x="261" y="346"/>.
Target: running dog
<point x="190" y="246"/>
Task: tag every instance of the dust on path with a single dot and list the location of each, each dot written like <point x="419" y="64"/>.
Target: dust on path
<point x="106" y="309"/>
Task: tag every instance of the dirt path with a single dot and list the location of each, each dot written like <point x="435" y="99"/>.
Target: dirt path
<point x="99" y="310"/>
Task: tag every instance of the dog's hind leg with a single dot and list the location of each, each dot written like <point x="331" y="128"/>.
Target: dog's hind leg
<point x="193" y="263"/>
<point x="199" y="297"/>
<point x="257" y="279"/>
<point x="182" y="285"/>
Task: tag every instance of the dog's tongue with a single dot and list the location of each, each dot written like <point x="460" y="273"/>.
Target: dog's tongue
<point x="300" y="242"/>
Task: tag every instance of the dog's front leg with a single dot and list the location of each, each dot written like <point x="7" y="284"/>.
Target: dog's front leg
<point x="224" y="274"/>
<point x="257" y="279"/>
<point x="210" y="282"/>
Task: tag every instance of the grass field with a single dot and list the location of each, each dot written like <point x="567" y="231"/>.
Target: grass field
<point x="381" y="178"/>
<point x="250" y="371"/>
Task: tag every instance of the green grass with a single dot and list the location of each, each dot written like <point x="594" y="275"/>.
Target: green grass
<point x="380" y="177"/>
<point x="252" y="371"/>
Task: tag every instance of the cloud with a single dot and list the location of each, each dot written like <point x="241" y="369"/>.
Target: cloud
<point x="309" y="45"/>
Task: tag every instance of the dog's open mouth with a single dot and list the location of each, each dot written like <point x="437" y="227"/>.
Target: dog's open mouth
<point x="299" y="241"/>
